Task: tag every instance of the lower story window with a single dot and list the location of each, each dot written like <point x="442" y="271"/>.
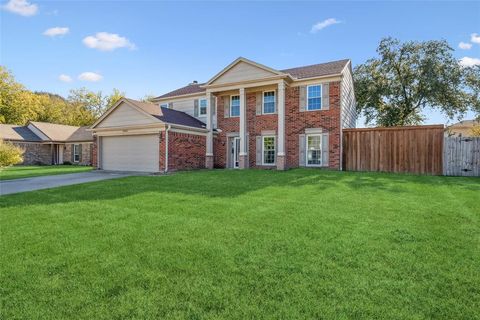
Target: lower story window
<point x="76" y="153"/>
<point x="268" y="150"/>
<point x="314" y="150"/>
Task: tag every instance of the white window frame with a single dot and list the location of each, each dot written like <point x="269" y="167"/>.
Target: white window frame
<point x="239" y="106"/>
<point x="321" y="106"/>
<point x="200" y="114"/>
<point x="164" y="105"/>
<point x="306" y="149"/>
<point x="274" y="151"/>
<point x="76" y="153"/>
<point x="274" y="102"/>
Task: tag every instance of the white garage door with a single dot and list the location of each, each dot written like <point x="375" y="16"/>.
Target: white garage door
<point x="130" y="153"/>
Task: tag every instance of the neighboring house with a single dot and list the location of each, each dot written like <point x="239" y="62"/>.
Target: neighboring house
<point x="462" y="128"/>
<point x="246" y="116"/>
<point x="49" y="143"/>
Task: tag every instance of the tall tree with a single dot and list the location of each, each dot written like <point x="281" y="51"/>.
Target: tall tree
<point x="95" y="102"/>
<point x="406" y="78"/>
<point x="17" y="104"/>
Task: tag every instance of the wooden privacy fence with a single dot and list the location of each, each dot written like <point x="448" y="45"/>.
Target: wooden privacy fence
<point x="415" y="149"/>
<point x="461" y="156"/>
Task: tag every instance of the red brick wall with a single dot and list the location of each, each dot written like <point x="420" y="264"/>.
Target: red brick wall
<point x="220" y="143"/>
<point x="296" y="122"/>
<point x="255" y="125"/>
<point x="185" y="151"/>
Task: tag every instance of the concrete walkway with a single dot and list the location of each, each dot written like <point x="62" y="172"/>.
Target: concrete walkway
<point x="46" y="182"/>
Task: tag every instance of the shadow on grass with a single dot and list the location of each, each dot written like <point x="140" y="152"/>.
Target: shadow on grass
<point x="231" y="184"/>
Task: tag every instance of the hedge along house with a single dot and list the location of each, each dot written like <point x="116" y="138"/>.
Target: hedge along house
<point x="141" y="136"/>
<point x="247" y="116"/>
<point x="48" y="143"/>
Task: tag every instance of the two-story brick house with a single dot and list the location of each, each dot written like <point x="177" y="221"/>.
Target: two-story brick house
<point x="247" y="116"/>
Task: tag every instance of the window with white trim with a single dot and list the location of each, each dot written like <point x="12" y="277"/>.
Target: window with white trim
<point x="314" y="97"/>
<point x="234" y="106"/>
<point x="164" y="105"/>
<point x="268" y="150"/>
<point x="314" y="149"/>
<point x="202" y="107"/>
<point x="268" y="102"/>
<point x="76" y="153"/>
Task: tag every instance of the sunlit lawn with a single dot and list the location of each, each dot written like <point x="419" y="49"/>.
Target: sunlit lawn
<point x="301" y="244"/>
<point x="18" y="172"/>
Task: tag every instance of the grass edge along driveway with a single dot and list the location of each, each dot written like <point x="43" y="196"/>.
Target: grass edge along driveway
<point x="21" y="172"/>
<point x="228" y="244"/>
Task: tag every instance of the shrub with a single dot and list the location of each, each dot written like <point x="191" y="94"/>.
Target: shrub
<point x="10" y="154"/>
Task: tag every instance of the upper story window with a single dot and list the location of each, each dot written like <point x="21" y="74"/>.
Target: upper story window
<point x="269" y="102"/>
<point x="234" y="106"/>
<point x="164" y="105"/>
<point x="314" y="97"/>
<point x="203" y="107"/>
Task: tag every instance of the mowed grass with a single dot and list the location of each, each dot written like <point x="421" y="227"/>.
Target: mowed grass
<point x="19" y="172"/>
<point x="301" y="244"/>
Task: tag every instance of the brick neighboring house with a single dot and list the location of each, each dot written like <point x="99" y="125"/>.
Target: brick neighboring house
<point x="247" y="116"/>
<point x="49" y="143"/>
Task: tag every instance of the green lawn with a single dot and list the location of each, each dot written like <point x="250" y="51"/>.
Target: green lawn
<point x="18" y="172"/>
<point x="301" y="244"/>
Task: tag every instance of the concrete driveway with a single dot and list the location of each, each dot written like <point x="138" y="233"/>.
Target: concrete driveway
<point x="46" y="182"/>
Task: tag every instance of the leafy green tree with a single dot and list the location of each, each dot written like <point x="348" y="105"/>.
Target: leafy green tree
<point x="95" y="102"/>
<point x="406" y="78"/>
<point x="17" y="104"/>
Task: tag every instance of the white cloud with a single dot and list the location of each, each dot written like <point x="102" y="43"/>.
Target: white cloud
<point x="90" y="76"/>
<point x="469" y="62"/>
<point x="21" y="7"/>
<point x="475" y="38"/>
<point x="465" y="45"/>
<point x="65" y="78"/>
<point x="57" y="31"/>
<point x="323" y="24"/>
<point x="105" y="41"/>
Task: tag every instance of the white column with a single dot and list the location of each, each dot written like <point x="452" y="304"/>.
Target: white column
<point x="209" y="146"/>
<point x="281" y="165"/>
<point x="281" y="119"/>
<point x="243" y="123"/>
<point x="209" y="125"/>
<point x="243" y="157"/>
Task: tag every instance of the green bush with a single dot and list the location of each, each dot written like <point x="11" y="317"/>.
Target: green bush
<point x="10" y="154"/>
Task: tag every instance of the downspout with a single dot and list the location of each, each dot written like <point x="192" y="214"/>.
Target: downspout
<point x="166" y="148"/>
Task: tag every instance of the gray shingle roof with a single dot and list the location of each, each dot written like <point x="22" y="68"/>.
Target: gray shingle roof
<point x="317" y="70"/>
<point x="55" y="132"/>
<point x="17" y="133"/>
<point x="191" y="88"/>
<point x="168" y="115"/>
<point x="61" y="132"/>
<point x="314" y="70"/>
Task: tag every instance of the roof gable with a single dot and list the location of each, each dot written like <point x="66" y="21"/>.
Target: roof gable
<point x="133" y="112"/>
<point x="242" y="70"/>
<point x="125" y="113"/>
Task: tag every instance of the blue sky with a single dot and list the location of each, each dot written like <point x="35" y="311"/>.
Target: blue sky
<point x="152" y="47"/>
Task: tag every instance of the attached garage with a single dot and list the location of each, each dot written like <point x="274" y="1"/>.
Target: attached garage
<point x="144" y="137"/>
<point x="130" y="153"/>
